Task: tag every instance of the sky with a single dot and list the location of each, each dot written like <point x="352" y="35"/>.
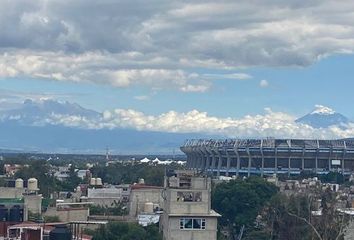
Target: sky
<point x="223" y="59"/>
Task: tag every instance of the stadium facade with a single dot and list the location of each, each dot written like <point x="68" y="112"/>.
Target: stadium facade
<point x="230" y="157"/>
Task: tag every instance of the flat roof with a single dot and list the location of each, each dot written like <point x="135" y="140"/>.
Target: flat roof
<point x="211" y="214"/>
<point x="74" y="204"/>
<point x="89" y="222"/>
<point x="143" y="186"/>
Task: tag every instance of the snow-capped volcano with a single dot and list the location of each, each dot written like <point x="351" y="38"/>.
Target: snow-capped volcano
<point x="32" y="112"/>
<point x="323" y="110"/>
<point x="323" y="117"/>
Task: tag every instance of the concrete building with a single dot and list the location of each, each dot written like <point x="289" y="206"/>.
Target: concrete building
<point x="107" y="195"/>
<point x="26" y="197"/>
<point x="17" y="202"/>
<point x="187" y="208"/>
<point x="268" y="156"/>
<point x="126" y="189"/>
<point x="104" y="196"/>
<point x="140" y="195"/>
<point x="68" y="212"/>
<point x="62" y="173"/>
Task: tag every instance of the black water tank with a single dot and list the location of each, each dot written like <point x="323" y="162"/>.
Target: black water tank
<point x="11" y="183"/>
<point x="16" y="214"/>
<point x="4" y="213"/>
<point x="60" y="232"/>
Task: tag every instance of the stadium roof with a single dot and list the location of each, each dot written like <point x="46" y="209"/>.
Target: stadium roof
<point x="269" y="143"/>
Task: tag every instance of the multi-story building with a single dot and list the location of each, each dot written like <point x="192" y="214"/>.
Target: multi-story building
<point x="187" y="208"/>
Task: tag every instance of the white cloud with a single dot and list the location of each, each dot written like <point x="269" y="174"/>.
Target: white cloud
<point x="160" y="44"/>
<point x="235" y="76"/>
<point x="269" y="124"/>
<point x="263" y="83"/>
<point x="100" y="68"/>
<point x="142" y="97"/>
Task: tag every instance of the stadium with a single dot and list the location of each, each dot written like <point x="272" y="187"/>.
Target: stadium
<point x="229" y="157"/>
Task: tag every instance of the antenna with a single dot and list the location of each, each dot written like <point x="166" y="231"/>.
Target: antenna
<point x="107" y="154"/>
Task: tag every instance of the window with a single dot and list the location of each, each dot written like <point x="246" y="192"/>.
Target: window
<point x="189" y="196"/>
<point x="188" y="223"/>
<point x="197" y="223"/>
<point x="192" y="223"/>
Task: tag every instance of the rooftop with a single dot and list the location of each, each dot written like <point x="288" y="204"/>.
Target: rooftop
<point x="270" y="143"/>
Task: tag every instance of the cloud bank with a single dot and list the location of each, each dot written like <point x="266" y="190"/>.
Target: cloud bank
<point x="269" y="124"/>
<point x="166" y="44"/>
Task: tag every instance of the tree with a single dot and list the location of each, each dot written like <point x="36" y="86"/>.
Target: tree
<point x="333" y="177"/>
<point x="240" y="201"/>
<point x="290" y="217"/>
<point x="119" y="173"/>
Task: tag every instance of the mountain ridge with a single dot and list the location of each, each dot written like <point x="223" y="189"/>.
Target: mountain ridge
<point x="324" y="117"/>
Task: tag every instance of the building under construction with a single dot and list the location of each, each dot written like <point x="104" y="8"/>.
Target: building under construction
<point x="230" y="157"/>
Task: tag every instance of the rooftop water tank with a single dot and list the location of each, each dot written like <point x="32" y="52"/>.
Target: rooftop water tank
<point x="93" y="181"/>
<point x="141" y="181"/>
<point x="32" y="184"/>
<point x="98" y="182"/>
<point x="19" y="183"/>
<point x="149" y="207"/>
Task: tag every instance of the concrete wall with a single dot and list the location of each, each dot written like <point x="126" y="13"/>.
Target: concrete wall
<point x="6" y="192"/>
<point x="200" y="183"/>
<point x="175" y="233"/>
<point x="33" y="203"/>
<point x="68" y="215"/>
<point x="139" y="197"/>
<point x="104" y="193"/>
<point x="109" y="202"/>
<point x="180" y="207"/>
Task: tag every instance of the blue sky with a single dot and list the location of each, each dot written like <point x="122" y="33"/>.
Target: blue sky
<point x="182" y="66"/>
<point x="291" y="89"/>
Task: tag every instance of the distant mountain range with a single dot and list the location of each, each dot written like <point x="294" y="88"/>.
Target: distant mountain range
<point x="37" y="126"/>
<point x="33" y="113"/>
<point x="324" y="117"/>
<point x="34" y="126"/>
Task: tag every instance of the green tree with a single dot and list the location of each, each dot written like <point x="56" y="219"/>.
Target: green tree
<point x="119" y="173"/>
<point x="240" y="201"/>
<point x="333" y="177"/>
